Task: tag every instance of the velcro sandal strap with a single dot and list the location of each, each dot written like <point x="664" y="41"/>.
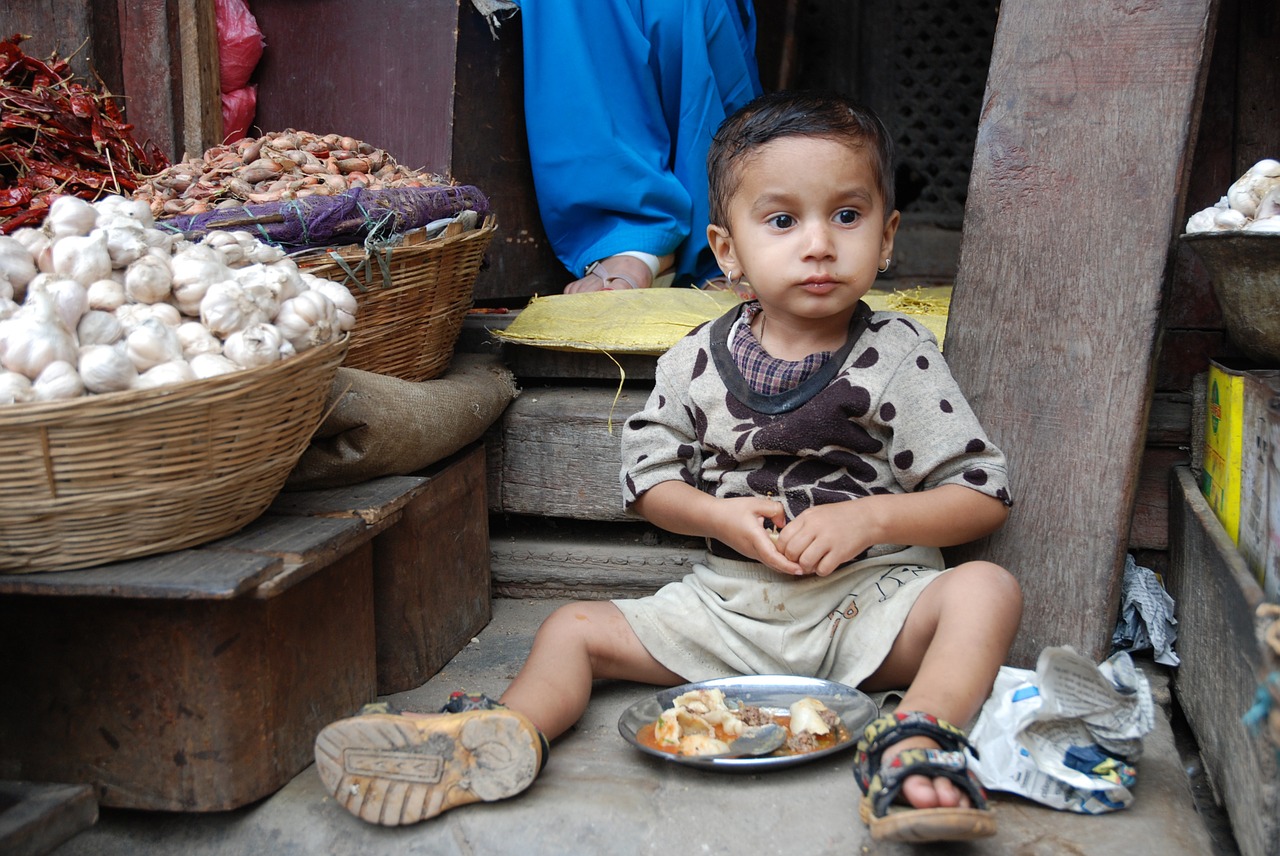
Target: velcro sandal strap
<point x="891" y="728"/>
<point x="886" y="785"/>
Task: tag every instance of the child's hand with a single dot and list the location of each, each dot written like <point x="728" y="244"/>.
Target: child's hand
<point x="824" y="537"/>
<point x="741" y="525"/>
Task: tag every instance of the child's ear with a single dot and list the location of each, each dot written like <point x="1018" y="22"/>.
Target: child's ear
<point x="890" y="230"/>
<point x="721" y="243"/>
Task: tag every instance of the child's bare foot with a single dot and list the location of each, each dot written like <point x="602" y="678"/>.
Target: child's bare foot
<point x="613" y="274"/>
<point x="916" y="783"/>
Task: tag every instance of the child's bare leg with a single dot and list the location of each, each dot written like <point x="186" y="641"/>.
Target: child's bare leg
<point x="948" y="653"/>
<point x="577" y="644"/>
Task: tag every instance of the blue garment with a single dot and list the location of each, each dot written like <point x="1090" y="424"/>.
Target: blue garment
<point x="622" y="98"/>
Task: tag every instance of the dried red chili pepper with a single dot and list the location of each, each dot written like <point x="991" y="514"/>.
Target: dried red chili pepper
<point x="58" y="136"/>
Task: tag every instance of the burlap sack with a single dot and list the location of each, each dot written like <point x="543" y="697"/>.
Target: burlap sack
<point x="378" y="425"/>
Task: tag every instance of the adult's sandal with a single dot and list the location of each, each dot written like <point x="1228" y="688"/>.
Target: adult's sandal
<point x="886" y="813"/>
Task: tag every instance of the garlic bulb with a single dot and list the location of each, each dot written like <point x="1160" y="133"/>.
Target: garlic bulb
<point x="255" y="345"/>
<point x="123" y="208"/>
<point x="228" y="246"/>
<point x="6" y="289"/>
<point x="7" y="308"/>
<point x="229" y="306"/>
<point x="194" y="270"/>
<point x="344" y="302"/>
<point x="212" y="365"/>
<point x="17" y="265"/>
<point x="165" y="374"/>
<point x="124" y="243"/>
<point x="151" y="343"/>
<point x="59" y="381"/>
<point x="99" y="328"/>
<point x="196" y="339"/>
<point x="106" y="294"/>
<point x="104" y="368"/>
<point x="84" y="259"/>
<point x="34" y="336"/>
<point x="70" y="216"/>
<point x="148" y="280"/>
<point x="281" y="279"/>
<point x="308" y="320"/>
<point x="70" y="298"/>
<point x="14" y="388"/>
<point x="1247" y="191"/>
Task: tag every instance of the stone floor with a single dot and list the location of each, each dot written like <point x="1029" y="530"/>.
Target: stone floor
<point x="599" y="795"/>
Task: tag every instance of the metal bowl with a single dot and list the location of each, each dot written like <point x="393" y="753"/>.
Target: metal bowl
<point x="1246" y="280"/>
<point x="773" y="693"/>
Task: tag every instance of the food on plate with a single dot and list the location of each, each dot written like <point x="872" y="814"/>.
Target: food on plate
<point x="704" y="722"/>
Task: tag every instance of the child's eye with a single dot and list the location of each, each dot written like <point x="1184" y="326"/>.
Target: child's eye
<point x="782" y="221"/>
<point x="848" y="216"/>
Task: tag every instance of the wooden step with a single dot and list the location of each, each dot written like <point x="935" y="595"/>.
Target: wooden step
<point x="541" y="558"/>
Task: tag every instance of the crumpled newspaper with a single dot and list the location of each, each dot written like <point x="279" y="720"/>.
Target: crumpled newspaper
<point x="1066" y="735"/>
<point x="1146" y="615"/>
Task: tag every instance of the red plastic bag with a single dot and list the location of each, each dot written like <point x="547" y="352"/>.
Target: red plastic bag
<point x="240" y="44"/>
<point x="238" y="109"/>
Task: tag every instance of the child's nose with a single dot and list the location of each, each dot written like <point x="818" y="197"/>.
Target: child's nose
<point x="818" y="242"/>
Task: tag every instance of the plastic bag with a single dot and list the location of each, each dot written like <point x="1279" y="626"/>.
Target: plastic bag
<point x="240" y="44"/>
<point x="239" y="106"/>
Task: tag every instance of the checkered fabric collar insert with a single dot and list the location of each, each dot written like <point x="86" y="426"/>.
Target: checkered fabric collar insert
<point x="763" y="372"/>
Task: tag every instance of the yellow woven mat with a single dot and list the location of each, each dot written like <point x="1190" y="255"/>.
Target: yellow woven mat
<point x="651" y="320"/>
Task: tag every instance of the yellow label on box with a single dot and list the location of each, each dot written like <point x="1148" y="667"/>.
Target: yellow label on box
<point x="1223" y="433"/>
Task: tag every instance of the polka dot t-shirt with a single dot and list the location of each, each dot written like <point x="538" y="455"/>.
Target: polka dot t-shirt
<point x="883" y="415"/>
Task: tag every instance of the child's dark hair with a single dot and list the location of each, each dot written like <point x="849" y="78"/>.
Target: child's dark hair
<point x="794" y="114"/>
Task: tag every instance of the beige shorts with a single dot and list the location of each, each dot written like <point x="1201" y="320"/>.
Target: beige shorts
<point x="742" y="618"/>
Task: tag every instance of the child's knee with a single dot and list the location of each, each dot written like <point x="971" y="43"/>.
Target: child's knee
<point x="993" y="583"/>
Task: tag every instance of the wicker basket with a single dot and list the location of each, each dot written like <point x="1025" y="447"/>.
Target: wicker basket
<point x="409" y="328"/>
<point x="126" y="474"/>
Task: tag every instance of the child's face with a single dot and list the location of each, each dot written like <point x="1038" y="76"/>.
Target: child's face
<point x="807" y="228"/>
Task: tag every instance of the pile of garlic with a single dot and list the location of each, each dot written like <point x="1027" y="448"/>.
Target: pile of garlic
<point x="99" y="300"/>
<point x="1252" y="203"/>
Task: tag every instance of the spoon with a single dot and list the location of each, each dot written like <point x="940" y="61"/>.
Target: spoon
<point x="754" y="741"/>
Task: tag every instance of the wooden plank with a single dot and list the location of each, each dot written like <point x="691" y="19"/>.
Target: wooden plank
<point x="491" y="151"/>
<point x="372" y="501"/>
<point x="561" y="453"/>
<point x="151" y="70"/>
<point x="1216" y="597"/>
<point x="183" y="575"/>
<point x="382" y="72"/>
<point x="36" y="818"/>
<point x="1054" y="317"/>
<point x="1149" y="529"/>
<point x="201" y="91"/>
<point x="303" y="544"/>
<point x="542" y="559"/>
<point x="431" y="579"/>
<point x="176" y="705"/>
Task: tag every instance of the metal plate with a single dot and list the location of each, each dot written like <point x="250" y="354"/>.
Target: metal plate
<point x="774" y="693"/>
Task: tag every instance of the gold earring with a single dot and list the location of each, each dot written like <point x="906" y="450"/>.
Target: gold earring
<point x="886" y="266"/>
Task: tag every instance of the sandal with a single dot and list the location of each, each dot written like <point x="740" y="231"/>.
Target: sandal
<point x="881" y="782"/>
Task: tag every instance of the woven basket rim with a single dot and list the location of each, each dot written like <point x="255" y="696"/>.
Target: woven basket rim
<point x="356" y="252"/>
<point x="110" y="402"/>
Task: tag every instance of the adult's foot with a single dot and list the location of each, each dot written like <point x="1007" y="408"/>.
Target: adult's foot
<point x="613" y="274"/>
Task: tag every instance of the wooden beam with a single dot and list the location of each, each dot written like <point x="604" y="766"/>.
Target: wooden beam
<point x="1088" y="119"/>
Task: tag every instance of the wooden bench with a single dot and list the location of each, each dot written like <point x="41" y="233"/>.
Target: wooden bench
<point x="197" y="680"/>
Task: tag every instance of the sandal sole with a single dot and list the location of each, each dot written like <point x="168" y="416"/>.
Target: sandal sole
<point x="396" y="770"/>
<point x="921" y="825"/>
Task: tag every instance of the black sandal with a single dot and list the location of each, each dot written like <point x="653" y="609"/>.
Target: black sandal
<point x="881" y="782"/>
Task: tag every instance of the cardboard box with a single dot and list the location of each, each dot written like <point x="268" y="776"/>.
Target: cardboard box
<point x="1258" y="390"/>
<point x="1224" y="419"/>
